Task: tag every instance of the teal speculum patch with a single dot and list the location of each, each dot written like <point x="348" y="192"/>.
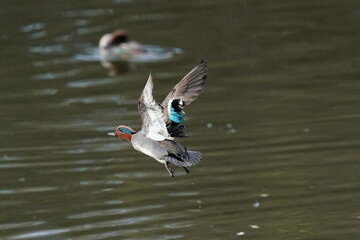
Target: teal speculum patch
<point x="175" y="116"/>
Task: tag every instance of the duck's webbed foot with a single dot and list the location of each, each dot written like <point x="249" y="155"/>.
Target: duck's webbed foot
<point x="186" y="170"/>
<point x="169" y="169"/>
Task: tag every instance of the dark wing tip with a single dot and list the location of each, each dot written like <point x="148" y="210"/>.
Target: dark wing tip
<point x="203" y="61"/>
<point x="204" y="65"/>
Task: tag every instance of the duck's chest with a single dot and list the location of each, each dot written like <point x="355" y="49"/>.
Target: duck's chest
<point x="148" y="146"/>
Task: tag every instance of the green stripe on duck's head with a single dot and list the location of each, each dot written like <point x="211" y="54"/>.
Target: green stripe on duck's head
<point x="125" y="129"/>
<point x="123" y="132"/>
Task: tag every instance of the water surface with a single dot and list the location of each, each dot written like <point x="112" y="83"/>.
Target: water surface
<point x="277" y="124"/>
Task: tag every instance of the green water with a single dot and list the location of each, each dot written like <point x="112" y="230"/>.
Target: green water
<point x="277" y="123"/>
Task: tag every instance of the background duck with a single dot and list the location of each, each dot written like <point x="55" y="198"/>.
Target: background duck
<point x="117" y="45"/>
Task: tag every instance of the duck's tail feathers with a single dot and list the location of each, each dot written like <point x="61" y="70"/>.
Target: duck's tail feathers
<point x="192" y="158"/>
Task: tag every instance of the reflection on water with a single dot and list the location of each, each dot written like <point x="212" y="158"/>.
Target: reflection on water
<point x="119" y="64"/>
<point x="277" y="124"/>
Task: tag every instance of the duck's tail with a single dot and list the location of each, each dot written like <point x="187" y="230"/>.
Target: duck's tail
<point x="191" y="158"/>
<point x="194" y="158"/>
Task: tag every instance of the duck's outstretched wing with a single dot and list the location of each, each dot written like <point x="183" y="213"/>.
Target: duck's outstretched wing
<point x="186" y="91"/>
<point x="153" y="120"/>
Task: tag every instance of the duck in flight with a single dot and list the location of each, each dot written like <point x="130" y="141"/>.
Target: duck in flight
<point x="161" y="123"/>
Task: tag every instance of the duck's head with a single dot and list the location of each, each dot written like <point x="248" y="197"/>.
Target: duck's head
<point x="123" y="132"/>
<point x="113" y="39"/>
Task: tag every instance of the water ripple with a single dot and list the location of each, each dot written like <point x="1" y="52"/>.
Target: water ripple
<point x="48" y="49"/>
<point x="54" y="164"/>
<point x="89" y="83"/>
<point x="98" y="99"/>
<point x="110" y="212"/>
<point x="107" y="212"/>
<point x="101" y="182"/>
<point x="179" y="194"/>
<point x="42" y="233"/>
<point x="88" y="12"/>
<point x="177" y="225"/>
<point x="20" y="225"/>
<point x="112" y="223"/>
<point x="105" y="235"/>
<point x="33" y="27"/>
<point x="57" y="75"/>
<point x="27" y="190"/>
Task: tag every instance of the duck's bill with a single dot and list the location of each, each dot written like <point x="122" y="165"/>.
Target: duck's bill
<point x="112" y="134"/>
